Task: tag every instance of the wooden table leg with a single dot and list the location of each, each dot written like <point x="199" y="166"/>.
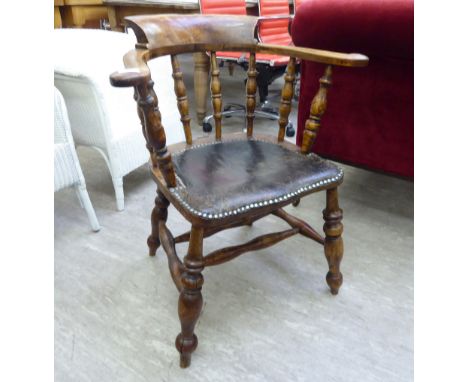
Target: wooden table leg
<point x="114" y="20"/>
<point x="76" y="16"/>
<point x="57" y="18"/>
<point x="200" y="83"/>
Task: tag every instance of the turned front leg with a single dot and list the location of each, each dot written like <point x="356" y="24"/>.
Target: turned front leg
<point x="158" y="214"/>
<point x="333" y="228"/>
<point x="190" y="299"/>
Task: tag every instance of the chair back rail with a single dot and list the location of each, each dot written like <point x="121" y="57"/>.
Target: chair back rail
<point x="160" y="35"/>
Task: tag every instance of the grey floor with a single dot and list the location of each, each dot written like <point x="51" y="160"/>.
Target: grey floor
<point x="267" y="316"/>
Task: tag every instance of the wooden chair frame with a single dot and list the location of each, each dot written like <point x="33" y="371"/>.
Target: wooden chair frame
<point x="160" y="35"/>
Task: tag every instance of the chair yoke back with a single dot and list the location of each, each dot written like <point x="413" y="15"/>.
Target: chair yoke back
<point x="160" y="35"/>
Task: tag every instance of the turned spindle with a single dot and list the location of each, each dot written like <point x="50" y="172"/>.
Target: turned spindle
<point x="216" y="97"/>
<point x="317" y="109"/>
<point x="150" y="117"/>
<point x="182" y="100"/>
<point x="286" y="97"/>
<point x="251" y="89"/>
<point x="142" y="121"/>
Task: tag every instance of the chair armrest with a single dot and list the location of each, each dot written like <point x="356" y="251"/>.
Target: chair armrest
<point x="136" y="70"/>
<point x="316" y="55"/>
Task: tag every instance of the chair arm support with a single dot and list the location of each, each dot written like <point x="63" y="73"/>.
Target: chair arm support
<point x="318" y="107"/>
<point x="138" y="75"/>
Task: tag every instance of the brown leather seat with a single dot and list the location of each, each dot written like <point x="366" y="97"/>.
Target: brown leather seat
<point x="225" y="178"/>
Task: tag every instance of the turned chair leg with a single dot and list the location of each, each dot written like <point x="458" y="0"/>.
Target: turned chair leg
<point x="190" y="299"/>
<point x="159" y="214"/>
<point x="333" y="228"/>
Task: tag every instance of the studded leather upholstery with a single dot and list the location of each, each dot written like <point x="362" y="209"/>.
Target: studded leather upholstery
<point x="232" y="177"/>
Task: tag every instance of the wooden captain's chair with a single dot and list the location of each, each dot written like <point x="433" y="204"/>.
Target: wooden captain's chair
<point x="228" y="180"/>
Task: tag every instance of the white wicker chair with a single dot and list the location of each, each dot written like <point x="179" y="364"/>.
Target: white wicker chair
<point x="100" y="115"/>
<point x="67" y="170"/>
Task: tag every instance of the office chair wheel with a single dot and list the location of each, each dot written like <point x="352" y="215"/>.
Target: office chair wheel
<point x="207" y="127"/>
<point x="290" y="130"/>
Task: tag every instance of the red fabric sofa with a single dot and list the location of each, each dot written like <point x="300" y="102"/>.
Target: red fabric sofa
<point x="369" y="120"/>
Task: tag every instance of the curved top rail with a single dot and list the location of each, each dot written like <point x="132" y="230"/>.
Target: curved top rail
<point x="159" y="35"/>
<point x="164" y="34"/>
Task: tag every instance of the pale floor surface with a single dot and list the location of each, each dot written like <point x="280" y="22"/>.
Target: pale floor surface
<point x="267" y="316"/>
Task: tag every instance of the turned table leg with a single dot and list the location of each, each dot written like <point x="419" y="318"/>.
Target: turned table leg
<point x="114" y="21"/>
<point x="200" y="83"/>
<point x="333" y="228"/>
<point x="190" y="299"/>
<point x="158" y="214"/>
